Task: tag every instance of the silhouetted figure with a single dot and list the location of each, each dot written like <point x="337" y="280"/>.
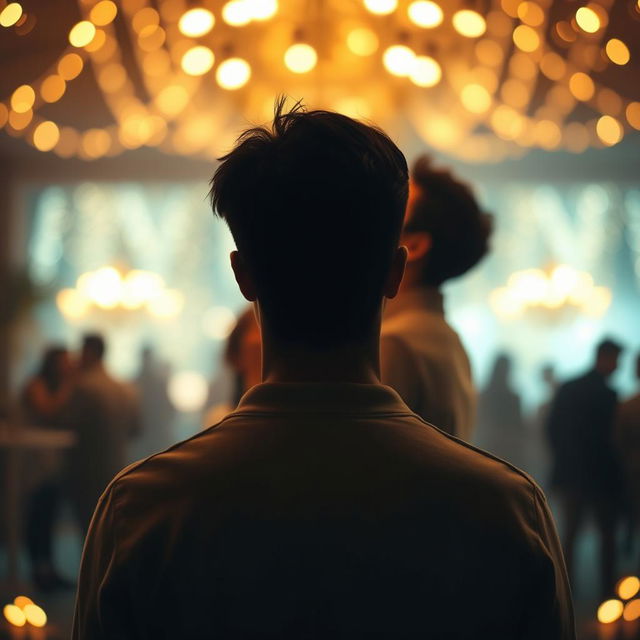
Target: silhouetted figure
<point x="156" y="411"/>
<point x="422" y="358"/>
<point x="43" y="399"/>
<point x="244" y="354"/>
<point x="103" y="413"/>
<point x="500" y="423"/>
<point x="628" y="441"/>
<point x="586" y="471"/>
<point x="322" y="507"/>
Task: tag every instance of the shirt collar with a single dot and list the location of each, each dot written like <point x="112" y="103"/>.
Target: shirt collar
<point x="320" y="397"/>
<point x="416" y="299"/>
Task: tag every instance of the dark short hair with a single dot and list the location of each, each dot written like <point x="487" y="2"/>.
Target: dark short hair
<point x="608" y="347"/>
<point x="446" y="208"/>
<point x="94" y="343"/>
<point x="315" y="205"/>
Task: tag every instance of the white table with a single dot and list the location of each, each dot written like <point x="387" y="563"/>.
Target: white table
<point x="14" y="441"/>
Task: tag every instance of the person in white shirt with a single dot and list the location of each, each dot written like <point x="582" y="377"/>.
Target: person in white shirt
<point x="422" y="358"/>
<point x="322" y="507"/>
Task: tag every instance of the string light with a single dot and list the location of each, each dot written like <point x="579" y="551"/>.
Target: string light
<point x="46" y="135"/>
<point x="196" y="22"/>
<point x="82" y="33"/>
<point x="10" y="14"/>
<point x="425" y="71"/>
<point x="300" y="58"/>
<point x="588" y="20"/>
<point x="233" y="73"/>
<point x="22" y="98"/>
<point x="236" y="13"/>
<point x="469" y="23"/>
<point x="475" y="98"/>
<point x="617" y="51"/>
<point x="103" y="13"/>
<point x="197" y="60"/>
<point x="362" y="41"/>
<point x="610" y="611"/>
<point x="425" y="14"/>
<point x="398" y="60"/>
<point x="381" y="7"/>
<point x="609" y="130"/>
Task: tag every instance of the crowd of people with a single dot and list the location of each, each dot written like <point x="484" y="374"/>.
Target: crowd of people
<point x="324" y="502"/>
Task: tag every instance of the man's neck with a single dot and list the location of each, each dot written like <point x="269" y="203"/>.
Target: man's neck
<point x="352" y="363"/>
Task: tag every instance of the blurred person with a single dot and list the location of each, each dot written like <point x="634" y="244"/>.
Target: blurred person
<point x="155" y="409"/>
<point x="628" y="441"/>
<point x="500" y="424"/>
<point x="103" y="413"/>
<point x="446" y="234"/>
<point x="43" y="399"/>
<point x="586" y="472"/>
<point x="322" y="507"/>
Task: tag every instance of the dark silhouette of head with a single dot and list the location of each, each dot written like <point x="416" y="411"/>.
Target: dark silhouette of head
<point x="93" y="349"/>
<point x="607" y="355"/>
<point x="638" y="366"/>
<point x="445" y="229"/>
<point x="501" y="371"/>
<point x="55" y="365"/>
<point x="315" y="205"/>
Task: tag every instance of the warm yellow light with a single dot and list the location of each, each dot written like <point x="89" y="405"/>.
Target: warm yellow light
<point x="4" y="114"/>
<point x="14" y="615"/>
<point x="354" y="107"/>
<point x="98" y="41"/>
<point x="10" y="14"/>
<point x="68" y="143"/>
<point x="425" y="14"/>
<point x="139" y="287"/>
<point x="507" y="122"/>
<point x="22" y="601"/>
<point x="70" y="66"/>
<point x="628" y="587"/>
<point x="531" y="13"/>
<point x="581" y="86"/>
<point x="362" y="41"/>
<point x="547" y="133"/>
<point x="82" y="33"/>
<point x="145" y="17"/>
<point x="263" y="9"/>
<point x="475" y="98"/>
<point x="46" y="135"/>
<point x="425" y="71"/>
<point x="300" y="58"/>
<point x="112" y="77"/>
<point x="381" y="7"/>
<point x="233" y="73"/>
<point x="617" y="51"/>
<point x="20" y="120"/>
<point x="609" y="611"/>
<point x="197" y="60"/>
<point x="469" y="23"/>
<point x="196" y="22"/>
<point x="489" y="52"/>
<point x="96" y="143"/>
<point x="553" y="66"/>
<point x="515" y="92"/>
<point x="22" y="98"/>
<point x="218" y="322"/>
<point x="399" y="60"/>
<point x="172" y="99"/>
<point x="633" y="114"/>
<point x="103" y="13"/>
<point x="631" y="610"/>
<point x="35" y="615"/>
<point x="609" y="130"/>
<point x="608" y="102"/>
<point x="72" y="303"/>
<point x="167" y="305"/>
<point x="526" y="38"/>
<point x="588" y="20"/>
<point x="53" y="88"/>
<point x="237" y="13"/>
<point x="576" y="137"/>
<point x="188" y="390"/>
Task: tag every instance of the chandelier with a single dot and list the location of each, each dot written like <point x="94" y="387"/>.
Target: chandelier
<point x="480" y="80"/>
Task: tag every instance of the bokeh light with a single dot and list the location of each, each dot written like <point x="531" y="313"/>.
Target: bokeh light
<point x="35" y="615"/>
<point x="617" y="51"/>
<point x="610" y="611"/>
<point x="381" y="7"/>
<point x="609" y="130"/>
<point x="632" y="112"/>
<point x="628" y="587"/>
<point x="82" y="33"/>
<point x="53" y="88"/>
<point x="70" y="66"/>
<point x="475" y="98"/>
<point x="197" y="60"/>
<point x="22" y="98"/>
<point x="425" y="71"/>
<point x="468" y="23"/>
<point x="424" y="13"/>
<point x="526" y="38"/>
<point x="631" y="610"/>
<point x="300" y="58"/>
<point x="196" y="22"/>
<point x="188" y="391"/>
<point x="581" y="86"/>
<point x="14" y="615"/>
<point x="46" y="135"/>
<point x="233" y="73"/>
<point x="10" y="14"/>
<point x="103" y="13"/>
<point x="218" y="322"/>
<point x="362" y="41"/>
<point x="237" y="13"/>
<point x="263" y="9"/>
<point x="588" y="20"/>
<point x="399" y="60"/>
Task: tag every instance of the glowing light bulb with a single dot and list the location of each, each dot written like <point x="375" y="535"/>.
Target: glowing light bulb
<point x="197" y="61"/>
<point x="609" y="130"/>
<point x="381" y="7"/>
<point x="468" y="23"/>
<point x="233" y="73"/>
<point x="609" y="611"/>
<point x="475" y="98"/>
<point x="588" y="20"/>
<point x="398" y="60"/>
<point x="300" y="58"/>
<point x="617" y="51"/>
<point x="362" y="41"/>
<point x="425" y="14"/>
<point x="82" y="33"/>
<point x="46" y="135"/>
<point x="425" y="71"/>
<point x="10" y="14"/>
<point x="196" y="22"/>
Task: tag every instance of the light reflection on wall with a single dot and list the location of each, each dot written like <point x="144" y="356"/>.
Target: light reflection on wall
<point x="168" y="229"/>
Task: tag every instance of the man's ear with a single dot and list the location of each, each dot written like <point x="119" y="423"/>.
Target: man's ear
<point x="243" y="277"/>
<point x="418" y="244"/>
<point x="395" y="274"/>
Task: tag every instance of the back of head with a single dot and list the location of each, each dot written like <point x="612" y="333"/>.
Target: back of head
<point x="93" y="348"/>
<point x="446" y="209"/>
<point x="607" y="353"/>
<point x="52" y="367"/>
<point x="315" y="205"/>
